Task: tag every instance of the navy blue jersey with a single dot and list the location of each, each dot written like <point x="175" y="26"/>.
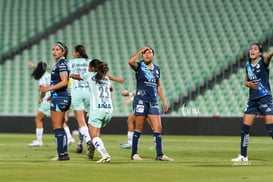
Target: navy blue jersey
<point x="258" y="72"/>
<point x="147" y="82"/>
<point x="59" y="68"/>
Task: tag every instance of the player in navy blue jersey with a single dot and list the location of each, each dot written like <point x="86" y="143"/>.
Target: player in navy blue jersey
<point x="145" y="102"/>
<point x="260" y="98"/>
<point x="60" y="98"/>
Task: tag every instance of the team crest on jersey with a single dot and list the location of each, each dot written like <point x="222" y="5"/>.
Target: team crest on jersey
<point x="258" y="66"/>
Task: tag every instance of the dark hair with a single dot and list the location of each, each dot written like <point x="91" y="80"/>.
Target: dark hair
<point x="81" y="50"/>
<point x="259" y="46"/>
<point x="61" y="45"/>
<point x="65" y="51"/>
<point x="148" y="49"/>
<point x="39" y="70"/>
<point x="101" y="70"/>
<point x="95" y="63"/>
<point x="100" y="67"/>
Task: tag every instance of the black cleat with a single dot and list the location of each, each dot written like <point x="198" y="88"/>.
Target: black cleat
<point x="91" y="150"/>
<point x="79" y="149"/>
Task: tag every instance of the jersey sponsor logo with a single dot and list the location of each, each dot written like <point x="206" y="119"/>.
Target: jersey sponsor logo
<point x="140" y="108"/>
<point x="104" y="106"/>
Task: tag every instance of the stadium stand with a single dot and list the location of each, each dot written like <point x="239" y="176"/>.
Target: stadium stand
<point x="194" y="41"/>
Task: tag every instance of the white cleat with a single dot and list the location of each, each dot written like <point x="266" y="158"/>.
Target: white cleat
<point x="163" y="158"/>
<point x="136" y="157"/>
<point x="105" y="159"/>
<point x="240" y="158"/>
<point x="35" y="143"/>
<point x="71" y="141"/>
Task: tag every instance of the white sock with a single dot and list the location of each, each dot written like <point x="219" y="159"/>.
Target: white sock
<point x="39" y="134"/>
<point x="68" y="134"/>
<point x="84" y="131"/>
<point x="98" y="143"/>
<point x="130" y="137"/>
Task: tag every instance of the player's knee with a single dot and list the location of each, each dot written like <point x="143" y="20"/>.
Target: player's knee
<point x="245" y="129"/>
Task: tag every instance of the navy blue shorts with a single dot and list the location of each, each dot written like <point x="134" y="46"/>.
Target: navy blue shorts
<point x="263" y="106"/>
<point x="142" y="108"/>
<point x="60" y="104"/>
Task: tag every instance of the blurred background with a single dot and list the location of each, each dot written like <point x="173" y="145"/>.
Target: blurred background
<point x="200" y="45"/>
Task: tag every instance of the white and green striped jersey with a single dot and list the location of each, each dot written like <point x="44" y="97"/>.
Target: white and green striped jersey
<point x="100" y="95"/>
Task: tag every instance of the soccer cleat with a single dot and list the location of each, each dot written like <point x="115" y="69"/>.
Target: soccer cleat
<point x="55" y="158"/>
<point x="125" y="146"/>
<point x="71" y="141"/>
<point x="79" y="149"/>
<point x="63" y="157"/>
<point x="163" y="158"/>
<point x="91" y="150"/>
<point x="35" y="143"/>
<point x="240" y="158"/>
<point x="136" y="157"/>
<point x="105" y="159"/>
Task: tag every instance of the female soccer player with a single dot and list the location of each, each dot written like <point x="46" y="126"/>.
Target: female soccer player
<point x="130" y="121"/>
<point x="101" y="107"/>
<point x="60" y="98"/>
<point x="43" y="77"/>
<point x="80" y="94"/>
<point x="145" y="102"/>
<point x="260" y="98"/>
<point x="40" y="73"/>
<point x="95" y="67"/>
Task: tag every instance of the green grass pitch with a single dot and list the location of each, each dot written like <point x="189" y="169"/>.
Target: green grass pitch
<point x="196" y="158"/>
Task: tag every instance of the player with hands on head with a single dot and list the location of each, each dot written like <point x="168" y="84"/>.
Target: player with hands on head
<point x="145" y="102"/>
<point x="260" y="96"/>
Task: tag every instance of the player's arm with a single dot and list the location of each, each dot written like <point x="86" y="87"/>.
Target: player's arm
<point x="31" y="65"/>
<point x="61" y="84"/>
<point x="42" y="94"/>
<point x="115" y="79"/>
<point x="268" y="57"/>
<point x="76" y="76"/>
<point x="127" y="93"/>
<point x="128" y="100"/>
<point x="251" y="84"/>
<point x="132" y="61"/>
<point x="161" y="95"/>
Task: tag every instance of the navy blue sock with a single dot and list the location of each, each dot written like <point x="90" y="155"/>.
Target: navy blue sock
<point x="136" y="137"/>
<point x="269" y="128"/>
<point x="244" y="139"/>
<point x="61" y="141"/>
<point x="158" y="144"/>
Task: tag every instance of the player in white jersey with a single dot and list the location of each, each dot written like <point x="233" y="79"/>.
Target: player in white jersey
<point x="101" y="107"/>
<point x="80" y="94"/>
<point x="43" y="77"/>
